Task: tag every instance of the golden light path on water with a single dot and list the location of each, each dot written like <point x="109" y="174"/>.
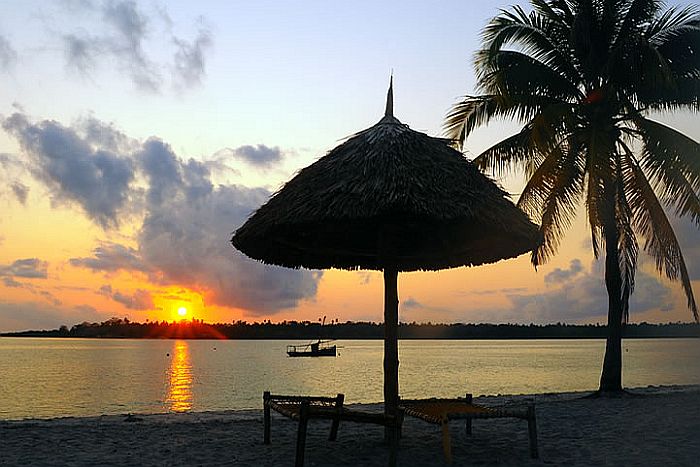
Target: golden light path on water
<point x="179" y="398"/>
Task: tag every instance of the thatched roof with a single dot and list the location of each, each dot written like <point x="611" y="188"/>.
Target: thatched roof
<point x="388" y="196"/>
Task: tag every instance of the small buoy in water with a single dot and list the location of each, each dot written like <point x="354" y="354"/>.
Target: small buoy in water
<point x="167" y="354"/>
<point x="214" y="348"/>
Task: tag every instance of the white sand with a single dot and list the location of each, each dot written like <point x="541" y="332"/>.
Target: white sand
<point x="659" y="427"/>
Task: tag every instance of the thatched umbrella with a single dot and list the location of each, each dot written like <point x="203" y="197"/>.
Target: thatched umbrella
<point x="389" y="199"/>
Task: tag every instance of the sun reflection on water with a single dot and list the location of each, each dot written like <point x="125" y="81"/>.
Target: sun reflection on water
<point x="179" y="398"/>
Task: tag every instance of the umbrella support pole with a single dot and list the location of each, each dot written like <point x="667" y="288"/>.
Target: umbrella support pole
<point x="391" y="348"/>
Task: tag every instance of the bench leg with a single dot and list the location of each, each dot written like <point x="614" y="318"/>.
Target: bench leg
<point x="532" y="430"/>
<point x="266" y="418"/>
<point x="446" y="446"/>
<point x="336" y="421"/>
<point x="468" y="424"/>
<point x="394" y="446"/>
<point x="301" y="434"/>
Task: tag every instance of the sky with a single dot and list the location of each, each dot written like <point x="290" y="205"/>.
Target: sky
<point x="135" y="137"/>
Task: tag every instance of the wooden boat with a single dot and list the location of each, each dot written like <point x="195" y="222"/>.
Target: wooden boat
<point x="320" y="348"/>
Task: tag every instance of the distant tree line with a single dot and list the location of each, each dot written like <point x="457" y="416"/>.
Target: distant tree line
<point x="197" y="329"/>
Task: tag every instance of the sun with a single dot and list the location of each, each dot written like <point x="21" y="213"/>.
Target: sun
<point x="182" y="311"/>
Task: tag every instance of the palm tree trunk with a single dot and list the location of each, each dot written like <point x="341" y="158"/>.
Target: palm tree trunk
<point x="611" y="377"/>
<point x="391" y="347"/>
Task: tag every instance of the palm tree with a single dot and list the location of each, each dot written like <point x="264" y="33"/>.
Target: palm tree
<point x="583" y="76"/>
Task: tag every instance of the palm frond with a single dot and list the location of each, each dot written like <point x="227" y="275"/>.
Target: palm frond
<point x="474" y="111"/>
<point x="650" y="220"/>
<point x="552" y="194"/>
<point x="628" y="248"/>
<point x="513" y="72"/>
<point x="543" y="37"/>
<point x="509" y="154"/>
<point x="672" y="158"/>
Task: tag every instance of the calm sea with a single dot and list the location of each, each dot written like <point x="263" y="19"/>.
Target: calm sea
<point x="80" y="377"/>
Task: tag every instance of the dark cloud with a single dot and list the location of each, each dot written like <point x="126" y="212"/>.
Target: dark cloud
<point x="121" y="35"/>
<point x="139" y="300"/>
<point x="563" y="275"/>
<point x="21" y="191"/>
<point x="28" y="268"/>
<point x="410" y="303"/>
<point x="105" y="135"/>
<point x="75" y="171"/>
<point x="8" y="56"/>
<point x="259" y="156"/>
<point x="111" y="257"/>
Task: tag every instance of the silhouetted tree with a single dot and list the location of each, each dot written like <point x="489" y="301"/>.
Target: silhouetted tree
<point x="583" y="76"/>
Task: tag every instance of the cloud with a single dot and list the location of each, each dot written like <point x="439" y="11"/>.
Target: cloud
<point x="189" y="59"/>
<point x="187" y="224"/>
<point x="186" y="232"/>
<point x="120" y="32"/>
<point x="29" y="268"/>
<point x="8" y="56"/>
<point x="10" y="282"/>
<point x="259" y="156"/>
<point x="80" y="52"/>
<point x="139" y="300"/>
<point x="111" y="257"/>
<point x="411" y="303"/>
<point x="563" y="275"/>
<point x="31" y="315"/>
<point x="583" y="296"/>
<point x="688" y="235"/>
<point x="130" y="27"/>
<point x="21" y="191"/>
<point x="75" y="170"/>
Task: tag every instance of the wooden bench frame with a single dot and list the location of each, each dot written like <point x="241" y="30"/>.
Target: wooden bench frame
<point x="526" y="413"/>
<point x="305" y="408"/>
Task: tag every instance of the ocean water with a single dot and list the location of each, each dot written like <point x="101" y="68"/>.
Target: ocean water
<point x="43" y="377"/>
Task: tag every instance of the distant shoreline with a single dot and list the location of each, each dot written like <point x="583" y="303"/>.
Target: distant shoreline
<point x="304" y="330"/>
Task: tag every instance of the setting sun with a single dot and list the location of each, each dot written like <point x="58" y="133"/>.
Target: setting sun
<point x="182" y="311"/>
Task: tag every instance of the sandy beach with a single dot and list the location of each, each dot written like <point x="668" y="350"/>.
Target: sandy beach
<point x="656" y="426"/>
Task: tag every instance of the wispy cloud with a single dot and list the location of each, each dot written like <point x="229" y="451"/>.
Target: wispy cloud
<point x="21" y="191"/>
<point x="120" y="31"/>
<point x="28" y="268"/>
<point x="559" y="275"/>
<point x="259" y="156"/>
<point x="189" y="61"/>
<point x="8" y="55"/>
<point x="139" y="300"/>
<point x="111" y="257"/>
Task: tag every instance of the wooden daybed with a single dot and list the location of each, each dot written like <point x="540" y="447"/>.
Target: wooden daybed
<point x="305" y="408"/>
<point x="441" y="411"/>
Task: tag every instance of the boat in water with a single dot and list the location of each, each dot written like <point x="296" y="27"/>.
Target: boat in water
<point x="320" y="348"/>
